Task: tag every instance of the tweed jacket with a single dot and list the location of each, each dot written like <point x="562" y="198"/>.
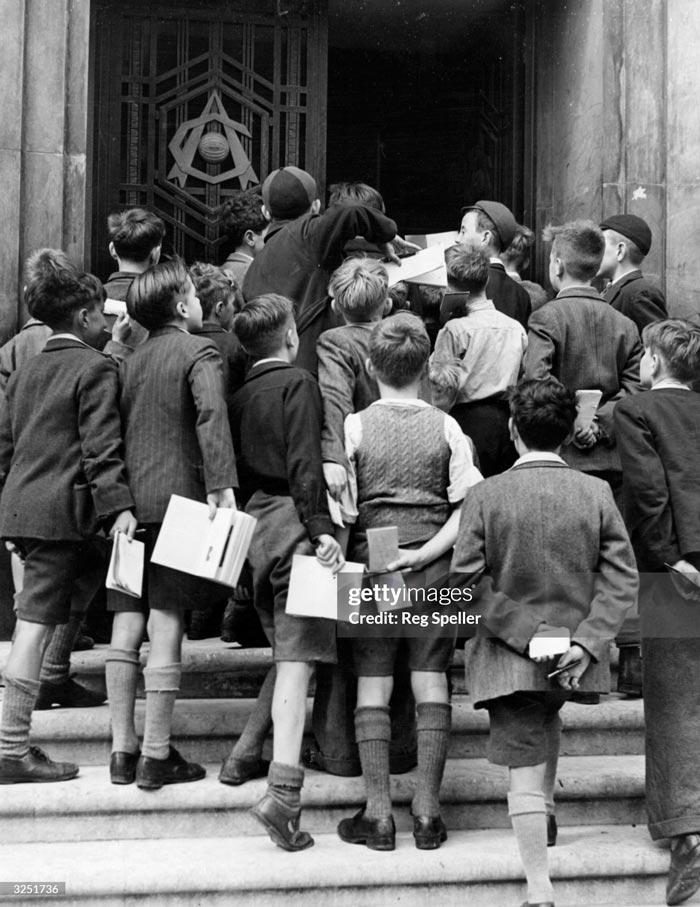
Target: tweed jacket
<point x="176" y="432"/>
<point x="587" y="345"/>
<point x="298" y="258"/>
<point x="345" y="384"/>
<point x="635" y="296"/>
<point x="30" y="341"/>
<point x="552" y="548"/>
<point x="61" y="458"/>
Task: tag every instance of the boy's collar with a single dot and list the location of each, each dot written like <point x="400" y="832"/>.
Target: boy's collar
<point x="66" y="335"/>
<point x="582" y="290"/>
<point x="628" y="275"/>
<point x="669" y="383"/>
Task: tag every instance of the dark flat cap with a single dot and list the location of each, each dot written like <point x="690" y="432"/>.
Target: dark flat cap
<point x="631" y="227"/>
<point x="502" y="218"/>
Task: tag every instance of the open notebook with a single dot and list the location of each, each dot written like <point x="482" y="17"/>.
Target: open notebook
<point x="213" y="549"/>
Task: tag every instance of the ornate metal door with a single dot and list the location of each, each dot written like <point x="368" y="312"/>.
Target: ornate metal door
<point x="195" y="103"/>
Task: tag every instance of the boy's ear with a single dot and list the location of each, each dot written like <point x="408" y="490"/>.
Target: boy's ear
<point x="266" y="213"/>
<point x="621" y="250"/>
<point x="370" y="368"/>
<point x="316" y="206"/>
<point x="387" y="306"/>
<point x="154" y="257"/>
<point x="512" y="430"/>
<point x="249" y="238"/>
<point x="112" y="251"/>
<point x="291" y="338"/>
<point x="558" y="267"/>
<point x="181" y="308"/>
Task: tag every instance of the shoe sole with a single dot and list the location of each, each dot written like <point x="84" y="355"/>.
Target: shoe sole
<point x="68" y="777"/>
<point x="122" y="780"/>
<point x="156" y="785"/>
<point x="274" y="834"/>
<point x="430" y="843"/>
<point x="368" y="842"/>
<point x="686" y="889"/>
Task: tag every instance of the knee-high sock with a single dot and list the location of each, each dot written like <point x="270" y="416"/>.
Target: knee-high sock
<point x="250" y="743"/>
<point x="527" y="815"/>
<point x="56" y="665"/>
<point x="284" y="783"/>
<point x="121" y="675"/>
<point x="162" y="685"/>
<point x="434" y="720"/>
<point x="17" y="707"/>
<point x="550" y="774"/>
<point x="373" y="735"/>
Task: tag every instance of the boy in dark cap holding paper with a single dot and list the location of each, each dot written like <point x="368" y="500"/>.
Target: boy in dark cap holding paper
<point x="492" y="225"/>
<point x="627" y="243"/>
<point x="303" y="248"/>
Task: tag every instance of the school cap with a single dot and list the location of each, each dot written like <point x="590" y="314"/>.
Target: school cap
<point x="502" y="218"/>
<point x="631" y="227"/>
<point x="288" y="192"/>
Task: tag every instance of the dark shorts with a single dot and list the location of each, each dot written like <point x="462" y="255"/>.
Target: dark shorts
<point x="51" y="571"/>
<point x="520" y="725"/>
<point x="163" y="589"/>
<point x="427" y="649"/>
<point x="278" y="536"/>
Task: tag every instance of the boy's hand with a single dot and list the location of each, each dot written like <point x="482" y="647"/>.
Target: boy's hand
<point x="569" y="680"/>
<point x="402" y="246"/>
<point x="387" y="250"/>
<point x="690" y="573"/>
<point x="122" y="330"/>
<point x="336" y="478"/>
<point x="126" y="523"/>
<point x="329" y="553"/>
<point x="222" y="497"/>
<point x="408" y="559"/>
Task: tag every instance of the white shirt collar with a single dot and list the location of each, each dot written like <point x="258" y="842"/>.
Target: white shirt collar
<point x="391" y="401"/>
<point x="65" y="335"/>
<point x="270" y="359"/>
<point x="669" y="382"/>
<point x="537" y="456"/>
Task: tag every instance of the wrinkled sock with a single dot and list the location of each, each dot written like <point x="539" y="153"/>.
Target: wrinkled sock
<point x="527" y="815"/>
<point x="56" y="664"/>
<point x="17" y="706"/>
<point x="433" y="723"/>
<point x="162" y="685"/>
<point x="373" y="735"/>
<point x="250" y="744"/>
<point x="284" y="783"/>
<point x="121" y="675"/>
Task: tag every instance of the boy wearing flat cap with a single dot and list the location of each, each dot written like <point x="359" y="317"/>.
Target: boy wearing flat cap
<point x="303" y="248"/>
<point x="627" y="243"/>
<point x="492" y="226"/>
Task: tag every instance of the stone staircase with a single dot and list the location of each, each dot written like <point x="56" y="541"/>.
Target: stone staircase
<point x="195" y="844"/>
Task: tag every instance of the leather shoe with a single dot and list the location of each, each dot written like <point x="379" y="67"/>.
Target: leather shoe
<point x="69" y="694"/>
<point x="122" y="767"/>
<point x="282" y="824"/>
<point x="35" y="767"/>
<point x="377" y="834"/>
<point x="312" y="757"/>
<point x="551" y="830"/>
<point x="429" y="832"/>
<point x="684" y="872"/>
<point x="238" y="771"/>
<point x="152" y="774"/>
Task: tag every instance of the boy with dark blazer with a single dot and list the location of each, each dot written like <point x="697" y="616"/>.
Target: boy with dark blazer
<point x="659" y="441"/>
<point x="63" y="475"/>
<point x="547" y="548"/>
<point x="177" y="441"/>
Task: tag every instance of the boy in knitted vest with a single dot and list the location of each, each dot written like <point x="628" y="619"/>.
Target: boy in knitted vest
<point x="410" y="466"/>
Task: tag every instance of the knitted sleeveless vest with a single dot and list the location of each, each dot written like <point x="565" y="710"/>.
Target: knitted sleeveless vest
<point x="403" y="471"/>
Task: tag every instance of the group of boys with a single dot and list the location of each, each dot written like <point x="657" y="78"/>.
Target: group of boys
<point x="106" y="448"/>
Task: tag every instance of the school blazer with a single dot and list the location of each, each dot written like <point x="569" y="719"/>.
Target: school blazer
<point x="176" y="432"/>
<point x="586" y="344"/>
<point x="638" y="299"/>
<point x="61" y="456"/>
<point x="542" y="543"/>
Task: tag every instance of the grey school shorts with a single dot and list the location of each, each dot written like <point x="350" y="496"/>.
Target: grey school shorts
<point x="523" y="726"/>
<point x="278" y="536"/>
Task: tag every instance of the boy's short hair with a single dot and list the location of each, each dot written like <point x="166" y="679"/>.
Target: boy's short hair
<point x="241" y="213"/>
<point x="152" y="296"/>
<point x="135" y="233"/>
<point x="399" y="349"/>
<point x="634" y="255"/>
<point x="467" y="268"/>
<point x="355" y="193"/>
<point x="518" y="252"/>
<point x="59" y="292"/>
<point x="544" y="412"/>
<point x="446" y="377"/>
<point x="262" y="323"/>
<point x="40" y="265"/>
<point x="580" y="245"/>
<point x="214" y="285"/>
<point x="359" y="287"/>
<point x="677" y="342"/>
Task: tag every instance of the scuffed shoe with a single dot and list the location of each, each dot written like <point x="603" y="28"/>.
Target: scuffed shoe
<point x="35" y="767"/>
<point x="152" y="774"/>
<point x="282" y="824"/>
<point x="69" y="694"/>
<point x="377" y="834"/>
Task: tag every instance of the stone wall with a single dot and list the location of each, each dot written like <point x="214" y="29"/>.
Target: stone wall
<point x="617" y="88"/>
<point x="43" y="136"/>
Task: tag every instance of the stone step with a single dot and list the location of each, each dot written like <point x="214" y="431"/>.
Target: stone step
<point x="591" y="790"/>
<point x="207" y="729"/>
<point x="591" y="865"/>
